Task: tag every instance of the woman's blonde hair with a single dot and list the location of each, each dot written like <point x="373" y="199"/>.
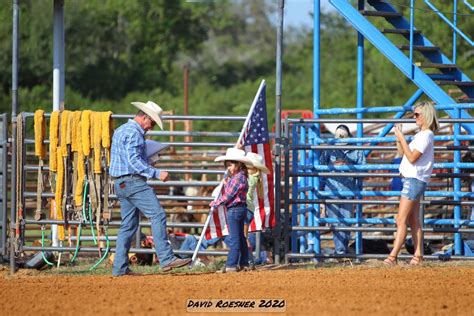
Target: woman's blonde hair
<point x="428" y="113"/>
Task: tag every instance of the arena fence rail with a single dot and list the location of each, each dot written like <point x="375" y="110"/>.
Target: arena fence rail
<point x="302" y="208"/>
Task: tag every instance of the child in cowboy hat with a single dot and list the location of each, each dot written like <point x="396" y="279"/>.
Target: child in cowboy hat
<point x="234" y="198"/>
<point x="255" y="192"/>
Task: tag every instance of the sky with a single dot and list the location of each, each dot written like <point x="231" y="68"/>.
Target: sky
<point x="297" y="12"/>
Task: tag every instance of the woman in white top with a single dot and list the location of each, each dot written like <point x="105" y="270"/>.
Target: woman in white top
<point x="415" y="168"/>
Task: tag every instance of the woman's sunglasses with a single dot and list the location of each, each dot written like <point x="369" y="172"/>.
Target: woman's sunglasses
<point x="416" y="115"/>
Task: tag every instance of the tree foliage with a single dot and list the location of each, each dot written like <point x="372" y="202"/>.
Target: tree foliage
<point x="118" y="51"/>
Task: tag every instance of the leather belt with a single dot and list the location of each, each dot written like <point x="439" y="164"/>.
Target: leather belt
<point x="130" y="176"/>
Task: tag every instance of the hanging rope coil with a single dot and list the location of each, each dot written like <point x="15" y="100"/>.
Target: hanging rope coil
<point x="40" y="134"/>
<point x="85" y="132"/>
<point x="79" y="154"/>
<point x="96" y="139"/>
<point x="58" y="197"/>
<point x="40" y="152"/>
<point x="53" y="141"/>
<point x="64" y="132"/>
<point x="75" y="131"/>
<point x="107" y="131"/>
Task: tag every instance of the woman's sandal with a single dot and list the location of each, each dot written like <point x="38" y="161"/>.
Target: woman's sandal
<point x="390" y="261"/>
<point x="416" y="261"/>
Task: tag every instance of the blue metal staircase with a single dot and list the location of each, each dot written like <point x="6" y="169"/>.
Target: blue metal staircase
<point x="431" y="84"/>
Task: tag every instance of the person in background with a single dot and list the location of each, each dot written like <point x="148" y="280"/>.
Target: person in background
<point x="189" y="243"/>
<point x="341" y="157"/>
<point x="130" y="169"/>
<point x="416" y="168"/>
<point x="234" y="198"/>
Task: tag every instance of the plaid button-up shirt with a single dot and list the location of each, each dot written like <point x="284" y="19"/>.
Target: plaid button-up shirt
<point x="235" y="191"/>
<point x="128" y="153"/>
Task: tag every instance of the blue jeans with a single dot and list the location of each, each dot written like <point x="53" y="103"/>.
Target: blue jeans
<point x="190" y="242"/>
<point x="253" y="244"/>
<point x="238" y="253"/>
<point x="136" y="196"/>
<point x="341" y="238"/>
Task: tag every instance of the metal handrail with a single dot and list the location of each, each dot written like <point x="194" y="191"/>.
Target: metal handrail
<point x="469" y="5"/>
<point x="445" y="19"/>
<point x="387" y="109"/>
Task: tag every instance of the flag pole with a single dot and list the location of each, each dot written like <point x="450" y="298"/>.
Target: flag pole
<point x="208" y="219"/>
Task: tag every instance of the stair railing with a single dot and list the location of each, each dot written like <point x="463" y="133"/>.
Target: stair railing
<point x="412" y="26"/>
<point x="469" y="5"/>
<point x="452" y="24"/>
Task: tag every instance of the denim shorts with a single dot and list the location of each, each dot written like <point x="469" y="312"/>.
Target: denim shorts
<point x="413" y="188"/>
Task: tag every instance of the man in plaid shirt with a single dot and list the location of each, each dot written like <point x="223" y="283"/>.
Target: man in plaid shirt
<point x="130" y="169"/>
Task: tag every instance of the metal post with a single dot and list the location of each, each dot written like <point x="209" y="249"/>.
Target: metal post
<point x="316" y="105"/>
<point x="412" y="21"/>
<point x="279" y="55"/>
<point x="302" y="183"/>
<point x="58" y="75"/>
<point x="4" y="183"/>
<point x="15" y="47"/>
<point x="294" y="189"/>
<point x="422" y="223"/>
<point x="58" y="54"/>
<point x="316" y="57"/>
<point x="316" y="212"/>
<point x="455" y="20"/>
<point x="187" y="123"/>
<point x="457" y="187"/>
<point x="360" y="115"/>
<point x="185" y="88"/>
<point x="312" y="192"/>
<point x="286" y="223"/>
<point x="138" y="234"/>
<point x="258" y="242"/>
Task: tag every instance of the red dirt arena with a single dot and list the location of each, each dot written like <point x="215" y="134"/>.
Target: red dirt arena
<point x="366" y="289"/>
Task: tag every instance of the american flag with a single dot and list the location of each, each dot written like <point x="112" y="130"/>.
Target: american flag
<point x="218" y="223"/>
<point x="257" y="139"/>
<point x="254" y="138"/>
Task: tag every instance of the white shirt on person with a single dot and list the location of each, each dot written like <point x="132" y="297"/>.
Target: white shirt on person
<point x="422" y="168"/>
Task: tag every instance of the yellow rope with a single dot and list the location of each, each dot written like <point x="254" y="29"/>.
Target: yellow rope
<point x="63" y="132"/>
<point x="53" y="140"/>
<point x="70" y="126"/>
<point x="40" y="134"/>
<point x="75" y="135"/>
<point x="81" y="173"/>
<point x="85" y="132"/>
<point x="96" y="141"/>
<point x="107" y="130"/>
<point x="59" y="193"/>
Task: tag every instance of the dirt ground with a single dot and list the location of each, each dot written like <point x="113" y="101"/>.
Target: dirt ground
<point x="435" y="289"/>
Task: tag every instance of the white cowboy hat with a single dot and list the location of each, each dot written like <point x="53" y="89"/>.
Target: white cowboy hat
<point x="151" y="109"/>
<point x="257" y="162"/>
<point x="236" y="155"/>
